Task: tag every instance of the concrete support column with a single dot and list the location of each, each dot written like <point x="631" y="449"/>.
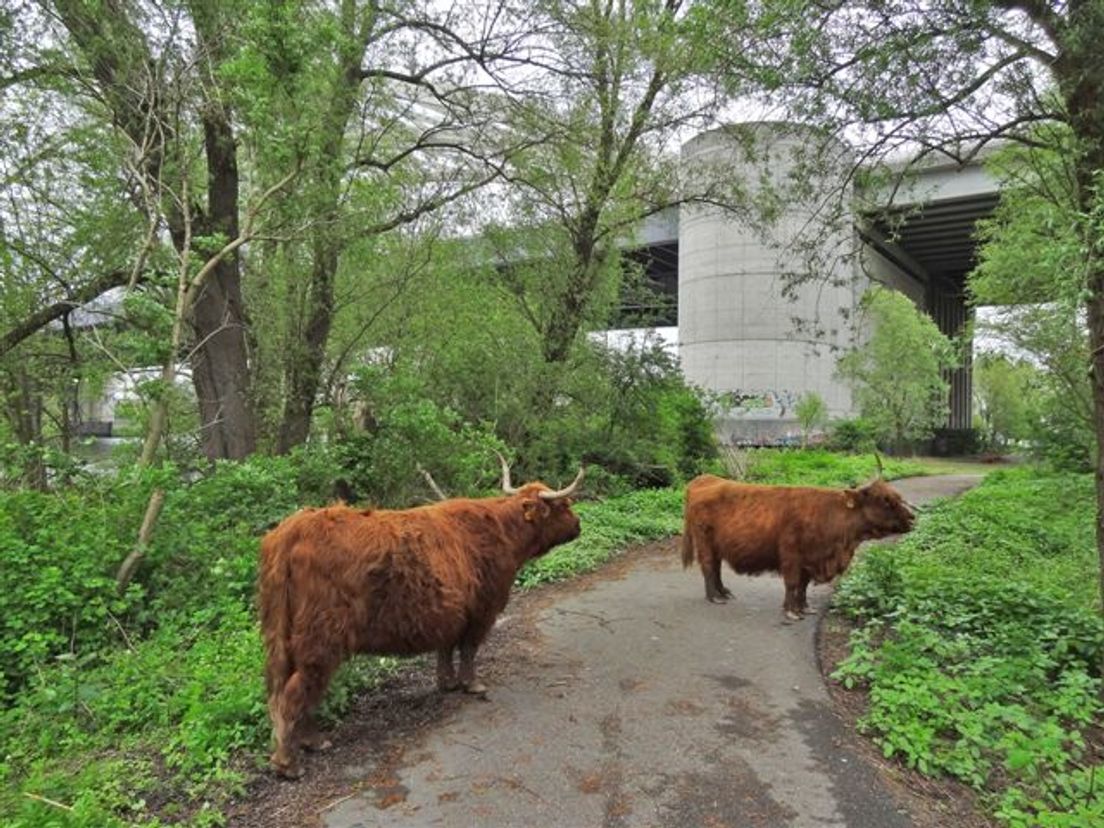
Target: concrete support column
<point x="737" y="331"/>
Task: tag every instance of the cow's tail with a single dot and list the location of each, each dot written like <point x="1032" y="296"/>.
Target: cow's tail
<point x="274" y="599"/>
<point x="687" y="541"/>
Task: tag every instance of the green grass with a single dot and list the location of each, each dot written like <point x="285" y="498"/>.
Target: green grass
<point x="980" y="643"/>
<point x="815" y="467"/>
<point x="608" y="527"/>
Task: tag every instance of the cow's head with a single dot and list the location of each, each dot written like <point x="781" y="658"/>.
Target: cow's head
<point x="882" y="508"/>
<point x="548" y="510"/>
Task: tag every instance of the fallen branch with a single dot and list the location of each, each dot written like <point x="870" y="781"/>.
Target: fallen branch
<point x="432" y="483"/>
<point x="153" y="510"/>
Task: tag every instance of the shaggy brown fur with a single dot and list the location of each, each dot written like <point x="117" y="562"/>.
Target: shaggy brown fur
<point x="337" y="581"/>
<point x="807" y="534"/>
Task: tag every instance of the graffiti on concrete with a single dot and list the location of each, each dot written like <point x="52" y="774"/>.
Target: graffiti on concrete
<point x="761" y="405"/>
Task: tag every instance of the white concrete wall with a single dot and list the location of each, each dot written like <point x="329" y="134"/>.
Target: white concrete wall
<point x="736" y="329"/>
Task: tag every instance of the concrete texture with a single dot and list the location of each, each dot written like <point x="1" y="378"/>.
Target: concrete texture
<point x="639" y="704"/>
<point x="736" y="329"/>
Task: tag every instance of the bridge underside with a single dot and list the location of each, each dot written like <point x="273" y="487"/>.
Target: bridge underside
<point x="926" y="252"/>
<point x="936" y="246"/>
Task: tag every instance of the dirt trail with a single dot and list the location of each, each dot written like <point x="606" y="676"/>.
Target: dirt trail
<point x="622" y="699"/>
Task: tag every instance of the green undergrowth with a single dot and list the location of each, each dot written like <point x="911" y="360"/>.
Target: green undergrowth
<point x="979" y="641"/>
<point x="148" y="708"/>
<point x="608" y="527"/>
<point x="815" y="467"/>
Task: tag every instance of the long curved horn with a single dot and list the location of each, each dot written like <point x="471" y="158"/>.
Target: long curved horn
<point x="507" y="486"/>
<point x="878" y="460"/>
<point x="564" y="492"/>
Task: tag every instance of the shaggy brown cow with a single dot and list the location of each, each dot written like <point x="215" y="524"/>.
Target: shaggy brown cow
<point x="337" y="581"/>
<point x="807" y="534"/>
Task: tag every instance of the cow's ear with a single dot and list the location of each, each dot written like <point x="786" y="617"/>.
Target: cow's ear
<point x="532" y="509"/>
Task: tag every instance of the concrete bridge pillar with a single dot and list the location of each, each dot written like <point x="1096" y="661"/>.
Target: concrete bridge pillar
<point x="737" y="332"/>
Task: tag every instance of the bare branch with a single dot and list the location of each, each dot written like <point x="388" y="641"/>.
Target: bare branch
<point x="44" y="316"/>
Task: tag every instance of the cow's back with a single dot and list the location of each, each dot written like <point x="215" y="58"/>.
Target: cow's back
<point x="749" y="524"/>
<point x="384" y="582"/>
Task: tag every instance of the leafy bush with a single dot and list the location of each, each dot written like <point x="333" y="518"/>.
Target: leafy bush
<point x="981" y="644"/>
<point x="57" y="593"/>
<point x="630" y="411"/>
<point x="812" y="414"/>
<point x="403" y="428"/>
<point x="898" y="373"/>
<point x="855" y="434"/>
<point x="626" y="410"/>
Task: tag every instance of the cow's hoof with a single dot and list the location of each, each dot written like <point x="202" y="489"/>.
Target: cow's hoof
<point x="808" y="611"/>
<point x="316" y="744"/>
<point x="476" y="688"/>
<point x="717" y="599"/>
<point x="448" y="686"/>
<point x="286" y="770"/>
<point x="793" y="616"/>
<point x="726" y="593"/>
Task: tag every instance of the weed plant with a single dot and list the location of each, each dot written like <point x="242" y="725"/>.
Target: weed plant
<point x="980" y="641"/>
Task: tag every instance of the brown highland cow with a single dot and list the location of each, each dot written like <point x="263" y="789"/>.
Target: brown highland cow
<point x="337" y="581"/>
<point x="805" y="533"/>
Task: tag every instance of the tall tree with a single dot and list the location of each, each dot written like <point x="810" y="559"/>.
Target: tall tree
<point x="609" y="89"/>
<point x="1004" y="391"/>
<point x="897" y="373"/>
<point x="1033" y="272"/>
<point x="376" y="102"/>
<point x="66" y="227"/>
<point x="140" y="76"/>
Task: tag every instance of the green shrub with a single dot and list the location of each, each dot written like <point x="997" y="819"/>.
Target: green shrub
<point x="404" y="427"/>
<point x="980" y="642"/>
<point x="58" y="554"/>
<point x="854" y="435"/>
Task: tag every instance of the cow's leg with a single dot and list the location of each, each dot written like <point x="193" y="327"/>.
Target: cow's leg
<point x="446" y="673"/>
<point x="802" y="598"/>
<point x="308" y="736"/>
<point x="722" y="590"/>
<point x="299" y="696"/>
<point x="473" y="637"/>
<point x="791" y="577"/>
<point x="710" y="563"/>
<point x="468" y="679"/>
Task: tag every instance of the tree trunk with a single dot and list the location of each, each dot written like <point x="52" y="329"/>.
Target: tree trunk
<point x="304" y="366"/>
<point x="1080" y="73"/>
<point x="220" y="365"/>
<point x="24" y="401"/>
<point x="570" y="310"/>
<point x="1096" y="346"/>
<point x="307" y="352"/>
